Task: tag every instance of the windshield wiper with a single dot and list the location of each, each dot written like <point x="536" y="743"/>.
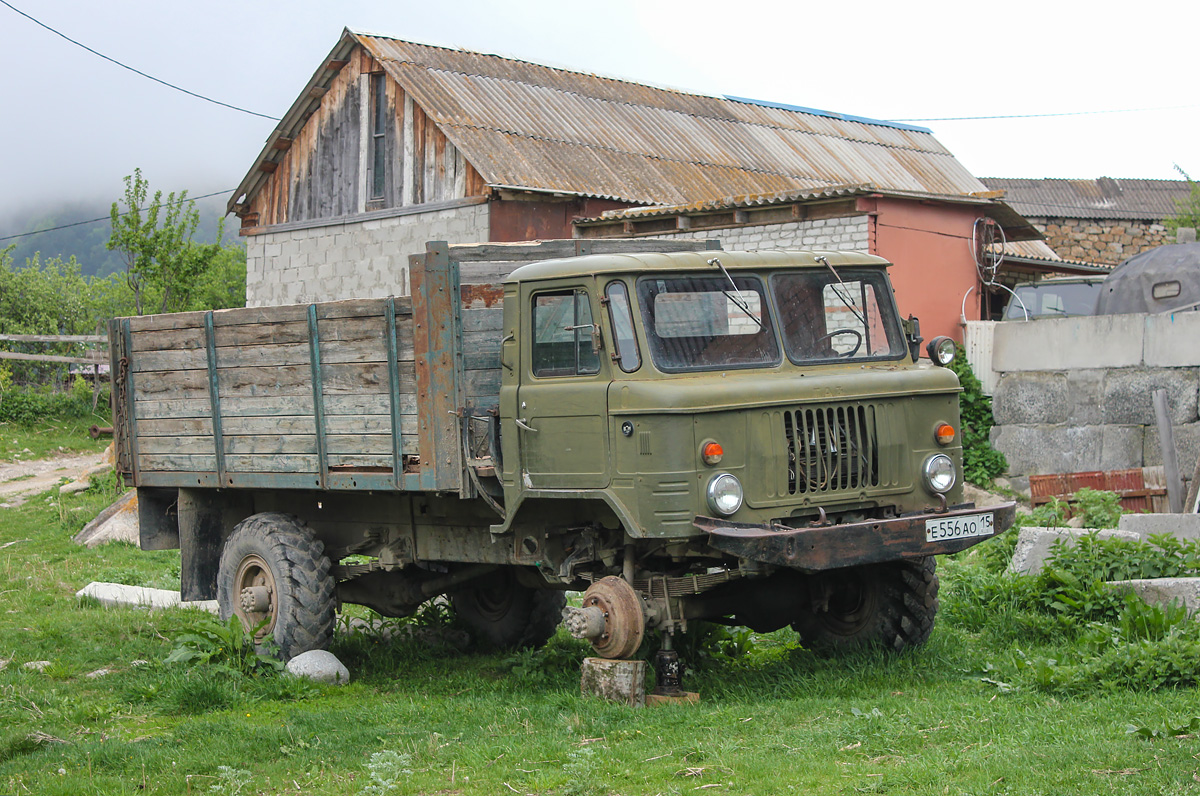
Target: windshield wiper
<point x="852" y="307"/>
<point x="741" y="305"/>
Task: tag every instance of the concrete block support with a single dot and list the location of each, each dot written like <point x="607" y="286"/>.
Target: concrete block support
<point x="1128" y="391"/>
<point x="1164" y="333"/>
<point x="1032" y="398"/>
<point x="1035" y="546"/>
<point x="1181" y="526"/>
<point x="615" y="681"/>
<point x="1102" y="341"/>
<point x="1164" y="591"/>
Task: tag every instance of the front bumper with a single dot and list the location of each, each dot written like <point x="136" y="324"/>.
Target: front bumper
<point x="822" y="547"/>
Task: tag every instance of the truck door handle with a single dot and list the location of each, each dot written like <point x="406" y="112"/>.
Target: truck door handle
<point x="522" y="424"/>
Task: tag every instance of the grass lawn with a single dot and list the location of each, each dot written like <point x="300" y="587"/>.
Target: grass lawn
<point x="968" y="713"/>
<point x="49" y="437"/>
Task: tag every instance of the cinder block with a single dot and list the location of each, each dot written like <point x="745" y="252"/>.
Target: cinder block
<point x="1181" y="526"/>
<point x="615" y="681"/>
<point x="1102" y="341"/>
<point x="1027" y="398"/>
<point x="1085" y="396"/>
<point x="118" y="594"/>
<point x="1187" y="447"/>
<point x="1171" y="340"/>
<point x="1163" y="591"/>
<point x="1120" y="448"/>
<point x="1128" y="394"/>
<point x="1034" y="545"/>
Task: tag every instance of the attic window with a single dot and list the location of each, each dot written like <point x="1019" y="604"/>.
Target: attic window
<point x="378" y="135"/>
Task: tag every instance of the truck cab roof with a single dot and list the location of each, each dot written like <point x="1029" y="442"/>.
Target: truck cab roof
<point x="598" y="264"/>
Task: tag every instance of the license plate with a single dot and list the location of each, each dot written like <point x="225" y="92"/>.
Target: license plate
<point x="963" y="526"/>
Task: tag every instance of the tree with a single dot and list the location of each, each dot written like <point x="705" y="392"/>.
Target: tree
<point x="1188" y="209"/>
<point x="163" y="263"/>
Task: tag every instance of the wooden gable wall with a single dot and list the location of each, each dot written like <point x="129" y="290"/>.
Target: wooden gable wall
<point x="321" y="173"/>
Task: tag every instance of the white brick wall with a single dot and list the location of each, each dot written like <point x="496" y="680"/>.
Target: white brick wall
<point x="364" y="259"/>
<point x="826" y="234"/>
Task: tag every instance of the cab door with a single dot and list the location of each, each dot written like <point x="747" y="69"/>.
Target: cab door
<point x="562" y="403"/>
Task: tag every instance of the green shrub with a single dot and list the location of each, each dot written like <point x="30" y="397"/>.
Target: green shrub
<point x="981" y="462"/>
<point x="1097" y="509"/>
<point x="30" y="405"/>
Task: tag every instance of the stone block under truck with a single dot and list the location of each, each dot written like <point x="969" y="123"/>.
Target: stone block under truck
<point x="682" y="434"/>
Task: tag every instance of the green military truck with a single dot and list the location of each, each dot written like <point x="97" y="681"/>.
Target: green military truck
<point x="682" y="433"/>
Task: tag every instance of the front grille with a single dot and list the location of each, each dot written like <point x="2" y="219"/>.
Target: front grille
<point x="831" y="448"/>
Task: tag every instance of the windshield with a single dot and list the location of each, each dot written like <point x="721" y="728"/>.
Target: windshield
<point x="707" y="323"/>
<point x="824" y="318"/>
<point x="1054" y="300"/>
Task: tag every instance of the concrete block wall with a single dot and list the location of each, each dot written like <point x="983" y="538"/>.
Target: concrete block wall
<point x="365" y="258"/>
<point x="1075" y="394"/>
<point x="825" y="234"/>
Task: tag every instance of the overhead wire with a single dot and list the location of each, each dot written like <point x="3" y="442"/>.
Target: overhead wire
<point x="108" y="217"/>
<point x="1041" y="115"/>
<point x="136" y="71"/>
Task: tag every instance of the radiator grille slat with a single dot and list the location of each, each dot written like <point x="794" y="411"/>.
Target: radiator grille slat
<point x="831" y="448"/>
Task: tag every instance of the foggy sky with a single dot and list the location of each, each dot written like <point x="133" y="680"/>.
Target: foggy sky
<point x="74" y="125"/>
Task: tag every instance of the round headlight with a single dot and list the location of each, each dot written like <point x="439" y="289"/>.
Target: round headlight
<point x="941" y="350"/>
<point x="724" y="494"/>
<point x="939" y="473"/>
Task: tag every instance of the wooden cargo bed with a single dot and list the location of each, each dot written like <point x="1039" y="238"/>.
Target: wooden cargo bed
<point x="364" y="394"/>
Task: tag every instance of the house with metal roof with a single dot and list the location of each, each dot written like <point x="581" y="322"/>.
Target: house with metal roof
<point x="1104" y="221"/>
<point x="392" y="144"/>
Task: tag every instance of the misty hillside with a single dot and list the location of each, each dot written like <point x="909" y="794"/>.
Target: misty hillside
<point x="86" y="241"/>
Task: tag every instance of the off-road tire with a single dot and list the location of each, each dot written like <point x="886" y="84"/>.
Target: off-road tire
<point x="505" y="614"/>
<point x="303" y="603"/>
<point x="889" y="605"/>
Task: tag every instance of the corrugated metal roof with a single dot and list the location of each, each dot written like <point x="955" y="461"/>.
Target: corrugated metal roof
<point x="1143" y="200"/>
<point x="525" y="125"/>
<point x="1015" y="226"/>
<point x="1036" y="251"/>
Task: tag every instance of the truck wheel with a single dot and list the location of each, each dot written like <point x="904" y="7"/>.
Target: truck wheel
<point x="274" y="570"/>
<point x="505" y="614"/>
<point x="890" y="605"/>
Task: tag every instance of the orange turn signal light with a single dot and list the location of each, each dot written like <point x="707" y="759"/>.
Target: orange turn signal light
<point x="712" y="453"/>
<point x="945" y="434"/>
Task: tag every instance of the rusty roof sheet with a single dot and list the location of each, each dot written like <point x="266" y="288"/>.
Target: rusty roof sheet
<point x="529" y="126"/>
<point x="1105" y="198"/>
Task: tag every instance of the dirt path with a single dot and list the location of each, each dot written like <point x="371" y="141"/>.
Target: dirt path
<point x="19" y="480"/>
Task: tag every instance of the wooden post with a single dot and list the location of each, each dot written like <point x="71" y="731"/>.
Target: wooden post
<point x="1166" y="441"/>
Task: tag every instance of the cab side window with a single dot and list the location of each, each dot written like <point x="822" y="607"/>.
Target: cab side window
<point x="562" y="335"/>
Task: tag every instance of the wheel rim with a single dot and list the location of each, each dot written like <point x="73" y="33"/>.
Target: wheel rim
<point x="624" y="622"/>
<point x="255" y="596"/>
<point x="852" y="607"/>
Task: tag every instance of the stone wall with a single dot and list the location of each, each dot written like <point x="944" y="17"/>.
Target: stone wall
<point x="829" y="234"/>
<point x="1107" y="242"/>
<point x="1075" y="394"/>
<point x="364" y="258"/>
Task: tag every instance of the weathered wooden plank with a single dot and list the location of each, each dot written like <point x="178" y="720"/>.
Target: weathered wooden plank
<point x="271" y="463"/>
<point x="265" y="426"/>
<point x="294" y="380"/>
<point x="246" y="334"/>
<point x="363" y="460"/>
<point x="99" y="359"/>
<point x="261" y="444"/>
<point x="186" y="359"/>
<point x="481" y="383"/>
<point x="367" y="404"/>
<point x="178" y="462"/>
<point x="481" y="359"/>
<point x="380" y="444"/>
<point x="195" y="407"/>
<point x="170" y="427"/>
<point x="367" y="424"/>
<point x="176" y="444"/>
<point x="54" y="338"/>
<point x="482" y="320"/>
<point x="172" y="384"/>
<point x="263" y="356"/>
<point x="168" y="340"/>
<point x="167" y="322"/>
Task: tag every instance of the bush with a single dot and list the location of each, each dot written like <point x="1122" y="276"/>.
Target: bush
<point x="28" y="406"/>
<point x="981" y="462"/>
